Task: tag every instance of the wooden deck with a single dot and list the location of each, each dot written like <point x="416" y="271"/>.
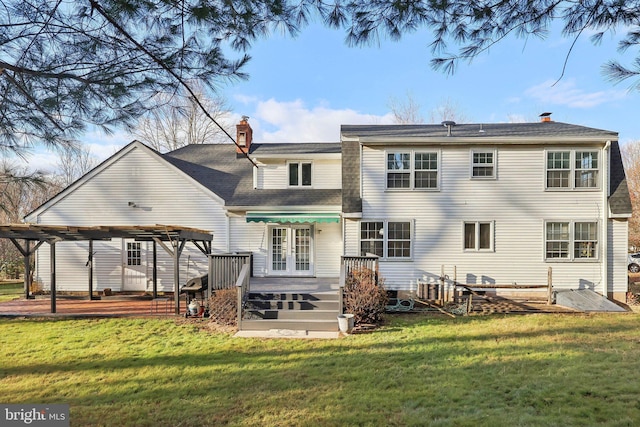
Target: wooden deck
<point x="83" y="307"/>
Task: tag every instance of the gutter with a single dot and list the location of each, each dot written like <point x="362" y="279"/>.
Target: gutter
<point x="605" y="214"/>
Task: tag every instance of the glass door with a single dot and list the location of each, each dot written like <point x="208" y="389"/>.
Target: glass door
<point x="291" y="250"/>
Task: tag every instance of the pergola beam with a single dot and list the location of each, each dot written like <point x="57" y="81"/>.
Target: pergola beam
<point x="177" y="235"/>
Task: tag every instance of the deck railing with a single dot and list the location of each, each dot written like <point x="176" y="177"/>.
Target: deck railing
<point x="224" y="269"/>
<point x="349" y="264"/>
<point x="352" y="263"/>
<point x="242" y="284"/>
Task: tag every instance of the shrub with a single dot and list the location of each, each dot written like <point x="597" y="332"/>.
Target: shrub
<point x="223" y="307"/>
<point x="363" y="297"/>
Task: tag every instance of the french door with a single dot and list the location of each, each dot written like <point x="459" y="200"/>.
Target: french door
<point x="291" y="250"/>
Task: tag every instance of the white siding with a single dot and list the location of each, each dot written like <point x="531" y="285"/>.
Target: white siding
<point x="516" y="202"/>
<point x="250" y="237"/>
<point x="327" y="174"/>
<point x="328" y="241"/>
<point x="254" y="237"/>
<point x="618" y="248"/>
<point x="161" y="194"/>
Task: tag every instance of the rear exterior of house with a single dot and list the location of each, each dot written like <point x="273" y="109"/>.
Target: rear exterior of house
<point x="488" y="204"/>
<point x="285" y="212"/>
<point x="492" y="204"/>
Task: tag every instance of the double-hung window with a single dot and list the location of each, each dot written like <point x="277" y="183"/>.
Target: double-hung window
<point x="299" y="174"/>
<point x="483" y="164"/>
<point x="586" y="171"/>
<point x="478" y="236"/>
<point x="412" y="170"/>
<point x="572" y="170"/>
<point x="398" y="170"/>
<point x="571" y="240"/>
<point x="387" y="239"/>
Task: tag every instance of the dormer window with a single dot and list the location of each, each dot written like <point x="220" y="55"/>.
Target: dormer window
<point x="299" y="174"/>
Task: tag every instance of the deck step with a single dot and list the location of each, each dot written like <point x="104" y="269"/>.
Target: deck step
<point x="307" y="325"/>
<point x="260" y="304"/>
<point x="295" y="296"/>
<point x="292" y="314"/>
<point x="310" y="311"/>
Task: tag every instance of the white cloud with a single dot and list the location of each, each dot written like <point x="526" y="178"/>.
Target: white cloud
<point x="293" y="121"/>
<point x="568" y="93"/>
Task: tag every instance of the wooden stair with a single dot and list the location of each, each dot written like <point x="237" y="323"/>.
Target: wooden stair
<point x="310" y="311"/>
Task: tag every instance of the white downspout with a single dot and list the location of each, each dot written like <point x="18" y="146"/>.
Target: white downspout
<point x="228" y="242"/>
<point x="605" y="219"/>
<point x="255" y="175"/>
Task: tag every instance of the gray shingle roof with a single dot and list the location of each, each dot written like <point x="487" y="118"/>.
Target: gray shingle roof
<point x="302" y="148"/>
<point x="218" y="168"/>
<point x="477" y="130"/>
<point x="619" y="199"/>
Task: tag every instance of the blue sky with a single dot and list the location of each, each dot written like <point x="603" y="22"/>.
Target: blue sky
<point x="301" y="89"/>
<point x="317" y="77"/>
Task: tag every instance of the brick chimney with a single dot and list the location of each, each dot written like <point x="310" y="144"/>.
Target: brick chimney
<point x="545" y="117"/>
<point x="244" y="135"/>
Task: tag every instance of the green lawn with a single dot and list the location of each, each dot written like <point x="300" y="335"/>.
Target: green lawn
<point x="11" y="290"/>
<point x="534" y="370"/>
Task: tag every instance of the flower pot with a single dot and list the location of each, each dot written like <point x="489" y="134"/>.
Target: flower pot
<point x="346" y="322"/>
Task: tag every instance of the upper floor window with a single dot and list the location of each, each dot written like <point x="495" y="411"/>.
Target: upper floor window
<point x="412" y="170"/>
<point x="572" y="170"/>
<point x="299" y="174"/>
<point x="571" y="240"/>
<point x="387" y="239"/>
<point x="483" y="164"/>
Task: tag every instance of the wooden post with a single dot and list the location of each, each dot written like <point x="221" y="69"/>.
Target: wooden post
<point x="550" y="287"/>
<point x="455" y="283"/>
<point x="441" y="290"/>
<point x="27" y="269"/>
<point x="53" y="275"/>
<point x="90" y="265"/>
<point x="155" y="270"/>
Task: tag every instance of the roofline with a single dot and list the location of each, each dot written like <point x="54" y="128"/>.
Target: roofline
<point x="290" y="208"/>
<point x="297" y="156"/>
<point x="102" y="166"/>
<point x="78" y="182"/>
<point x="452" y="140"/>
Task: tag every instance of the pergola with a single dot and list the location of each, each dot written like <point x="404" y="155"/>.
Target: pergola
<point x="170" y="237"/>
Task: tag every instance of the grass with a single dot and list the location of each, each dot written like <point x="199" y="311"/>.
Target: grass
<point x="534" y="370"/>
<point x="10" y="290"/>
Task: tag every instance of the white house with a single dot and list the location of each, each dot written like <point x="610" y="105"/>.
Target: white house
<point x="499" y="202"/>
<point x="492" y="203"/>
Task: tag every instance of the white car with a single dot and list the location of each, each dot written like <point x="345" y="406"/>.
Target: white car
<point x="634" y="262"/>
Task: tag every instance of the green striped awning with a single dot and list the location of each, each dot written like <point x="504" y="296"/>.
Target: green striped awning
<point x="292" y="218"/>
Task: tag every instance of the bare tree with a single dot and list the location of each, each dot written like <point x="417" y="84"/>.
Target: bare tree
<point x="448" y="110"/>
<point x="73" y="162"/>
<point x="631" y="159"/>
<point x="405" y="111"/>
<point x="179" y="121"/>
<point x="20" y="192"/>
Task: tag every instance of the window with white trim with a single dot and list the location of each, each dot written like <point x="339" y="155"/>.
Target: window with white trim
<point x="571" y="240"/>
<point x="572" y="170"/>
<point x="387" y="239"/>
<point x="586" y="173"/>
<point x="299" y="174"/>
<point x="483" y="164"/>
<point x="478" y="236"/>
<point x="371" y="240"/>
<point x="412" y="170"/>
